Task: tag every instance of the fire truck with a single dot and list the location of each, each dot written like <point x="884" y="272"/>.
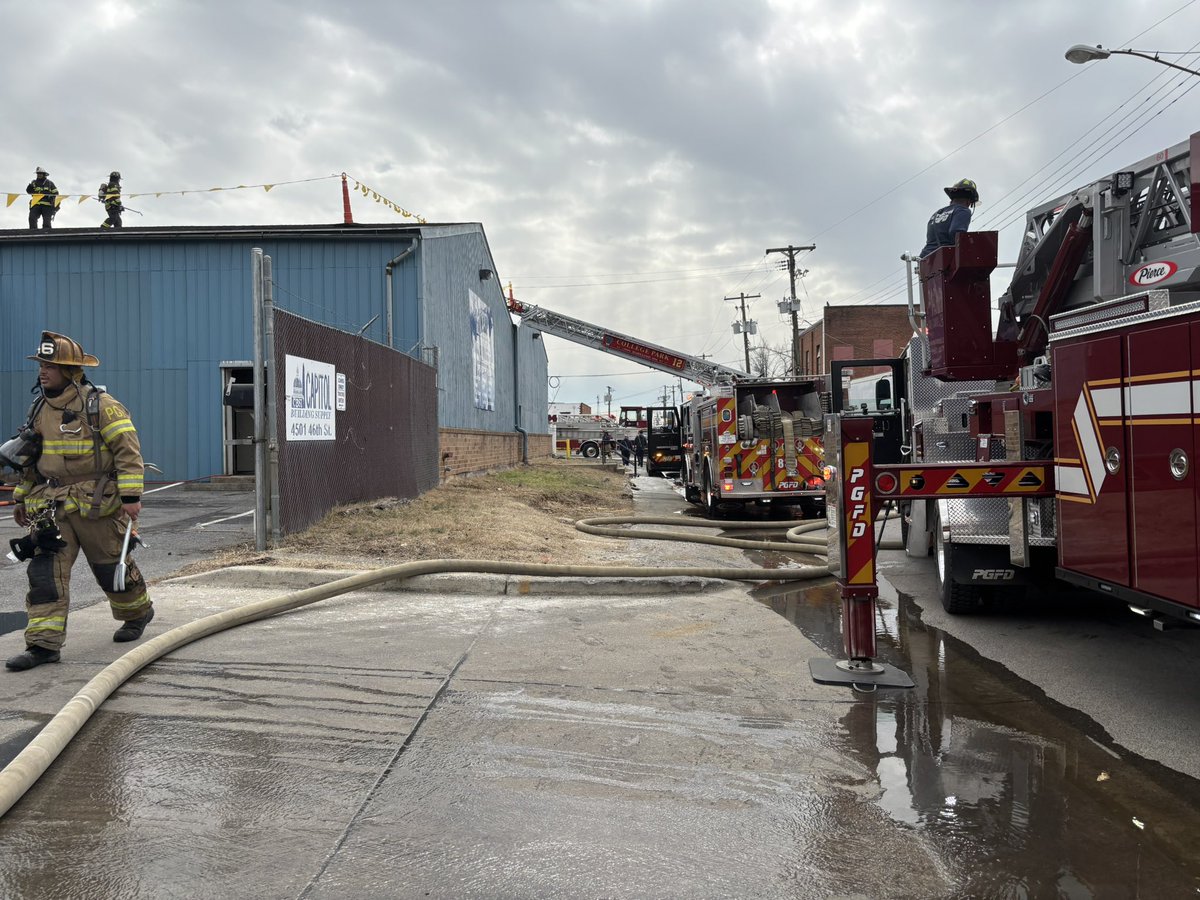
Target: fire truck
<point x="580" y="435"/>
<point x="739" y="441"/>
<point x="756" y="442"/>
<point x="1061" y="446"/>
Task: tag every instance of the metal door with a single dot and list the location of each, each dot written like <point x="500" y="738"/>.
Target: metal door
<point x="1158" y="402"/>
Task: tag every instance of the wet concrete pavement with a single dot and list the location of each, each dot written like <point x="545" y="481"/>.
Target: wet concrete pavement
<point x="504" y="737"/>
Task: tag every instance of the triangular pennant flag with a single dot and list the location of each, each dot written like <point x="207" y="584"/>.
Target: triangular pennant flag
<point x="12" y="198"/>
<point x="83" y="197"/>
<point x="210" y="190"/>
<point x="267" y="187"/>
<point x="159" y="194"/>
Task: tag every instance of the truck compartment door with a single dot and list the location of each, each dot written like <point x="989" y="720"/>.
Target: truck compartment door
<point x="1160" y="436"/>
<point x="1091" y="459"/>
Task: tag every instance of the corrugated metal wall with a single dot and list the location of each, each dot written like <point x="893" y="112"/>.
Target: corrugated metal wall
<point x="163" y="310"/>
<point x="452" y="262"/>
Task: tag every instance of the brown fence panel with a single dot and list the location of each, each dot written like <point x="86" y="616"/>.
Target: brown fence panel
<point x="354" y="421"/>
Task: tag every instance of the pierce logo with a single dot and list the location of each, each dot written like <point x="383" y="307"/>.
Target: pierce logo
<point x="1153" y="273"/>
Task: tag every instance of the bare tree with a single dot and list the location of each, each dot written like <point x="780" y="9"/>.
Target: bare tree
<point x="770" y="362"/>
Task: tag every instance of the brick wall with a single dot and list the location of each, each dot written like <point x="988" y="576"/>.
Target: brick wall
<point x="463" y="451"/>
<point x="863" y="332"/>
<point x="854" y="332"/>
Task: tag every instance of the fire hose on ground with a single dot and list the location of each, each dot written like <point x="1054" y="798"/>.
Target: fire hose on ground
<point x="28" y="766"/>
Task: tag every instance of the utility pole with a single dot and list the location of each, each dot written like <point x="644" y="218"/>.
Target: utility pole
<point x="791" y="251"/>
<point x="747" y="328"/>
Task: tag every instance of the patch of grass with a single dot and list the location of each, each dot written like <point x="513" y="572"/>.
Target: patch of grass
<point x="524" y="514"/>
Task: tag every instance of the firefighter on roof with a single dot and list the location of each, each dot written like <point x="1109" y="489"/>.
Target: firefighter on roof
<point x="945" y="224"/>
<point x="110" y="196"/>
<point x="78" y="493"/>
<point x="44" y="201"/>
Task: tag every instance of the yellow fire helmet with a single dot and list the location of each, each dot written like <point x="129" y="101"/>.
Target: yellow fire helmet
<point x="62" y="351"/>
<point x="963" y="188"/>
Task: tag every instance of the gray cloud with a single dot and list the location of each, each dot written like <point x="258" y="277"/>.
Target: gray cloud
<point x="590" y="138"/>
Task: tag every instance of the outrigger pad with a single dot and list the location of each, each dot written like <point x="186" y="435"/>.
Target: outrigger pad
<point x="826" y="671"/>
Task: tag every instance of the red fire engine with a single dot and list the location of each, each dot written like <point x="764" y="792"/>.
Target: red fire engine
<point x="1064" y="446"/>
<point x="756" y="441"/>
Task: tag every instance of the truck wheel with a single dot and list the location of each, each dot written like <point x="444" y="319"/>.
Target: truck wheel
<point x="690" y="492"/>
<point x="589" y="450"/>
<point x="711" y="500"/>
<point x="956" y="598"/>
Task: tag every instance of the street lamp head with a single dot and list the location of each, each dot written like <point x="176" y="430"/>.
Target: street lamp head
<point x="1082" y="53"/>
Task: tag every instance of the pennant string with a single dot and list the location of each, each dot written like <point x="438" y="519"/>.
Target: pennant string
<point x="59" y="199"/>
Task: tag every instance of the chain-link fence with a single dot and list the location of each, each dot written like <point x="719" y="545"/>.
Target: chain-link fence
<point x="354" y="420"/>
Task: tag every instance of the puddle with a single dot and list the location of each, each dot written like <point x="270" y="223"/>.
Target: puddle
<point x="1020" y="795"/>
<point x="12" y="621"/>
<point x="14" y="744"/>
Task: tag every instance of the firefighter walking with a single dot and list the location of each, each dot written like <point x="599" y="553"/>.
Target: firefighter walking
<point x="79" y="493"/>
<point x="44" y="201"/>
<point x="110" y="196"/>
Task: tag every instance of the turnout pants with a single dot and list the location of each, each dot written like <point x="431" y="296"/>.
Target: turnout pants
<point x="45" y="213"/>
<point x="49" y="594"/>
<point x="114" y="217"/>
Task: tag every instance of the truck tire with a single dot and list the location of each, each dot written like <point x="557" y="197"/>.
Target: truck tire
<point x="710" y="499"/>
<point x="690" y="493"/>
<point x="589" y="450"/>
<point x="957" y="599"/>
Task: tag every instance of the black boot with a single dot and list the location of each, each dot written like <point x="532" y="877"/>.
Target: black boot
<point x="33" y="656"/>
<point x="132" y="630"/>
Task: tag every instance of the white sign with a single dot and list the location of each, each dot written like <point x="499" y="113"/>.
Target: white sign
<point x="309" y="400"/>
<point x="341" y="392"/>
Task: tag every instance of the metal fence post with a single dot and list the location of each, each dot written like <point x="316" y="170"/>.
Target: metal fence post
<point x="272" y="411"/>
<point x="260" y="446"/>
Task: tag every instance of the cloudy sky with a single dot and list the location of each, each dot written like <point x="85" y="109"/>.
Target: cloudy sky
<point x="630" y="160"/>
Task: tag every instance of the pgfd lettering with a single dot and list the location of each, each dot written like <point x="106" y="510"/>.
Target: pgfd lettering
<point x="858" y="507"/>
<point x="993" y="575"/>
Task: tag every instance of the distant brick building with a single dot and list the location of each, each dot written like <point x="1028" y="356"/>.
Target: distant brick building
<point x="854" y="332"/>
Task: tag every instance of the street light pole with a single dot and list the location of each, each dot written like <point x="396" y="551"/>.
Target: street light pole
<point x="1083" y="53"/>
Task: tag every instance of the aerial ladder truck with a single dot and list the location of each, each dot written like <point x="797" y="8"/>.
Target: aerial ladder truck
<point x="742" y="440"/>
<point x="1062" y="447"/>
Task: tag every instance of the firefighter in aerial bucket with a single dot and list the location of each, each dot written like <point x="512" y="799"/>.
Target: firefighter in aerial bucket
<point x="945" y="224"/>
<point x="81" y="488"/>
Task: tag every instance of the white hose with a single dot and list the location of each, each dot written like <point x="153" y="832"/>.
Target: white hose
<point x="19" y="775"/>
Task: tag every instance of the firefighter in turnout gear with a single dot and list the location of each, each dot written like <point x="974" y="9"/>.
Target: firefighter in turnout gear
<point x="110" y="196"/>
<point x="80" y="493"/>
<point x="946" y="223"/>
<point x="44" y="202"/>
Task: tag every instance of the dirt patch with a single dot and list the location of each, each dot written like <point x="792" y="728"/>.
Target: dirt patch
<point x="526" y="514"/>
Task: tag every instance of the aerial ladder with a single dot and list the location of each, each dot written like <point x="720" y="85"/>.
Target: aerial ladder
<point x="694" y="368"/>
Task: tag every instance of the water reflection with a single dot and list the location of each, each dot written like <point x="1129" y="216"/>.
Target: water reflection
<point x="1022" y="796"/>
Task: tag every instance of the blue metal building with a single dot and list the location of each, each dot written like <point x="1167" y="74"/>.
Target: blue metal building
<point x="166" y="308"/>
